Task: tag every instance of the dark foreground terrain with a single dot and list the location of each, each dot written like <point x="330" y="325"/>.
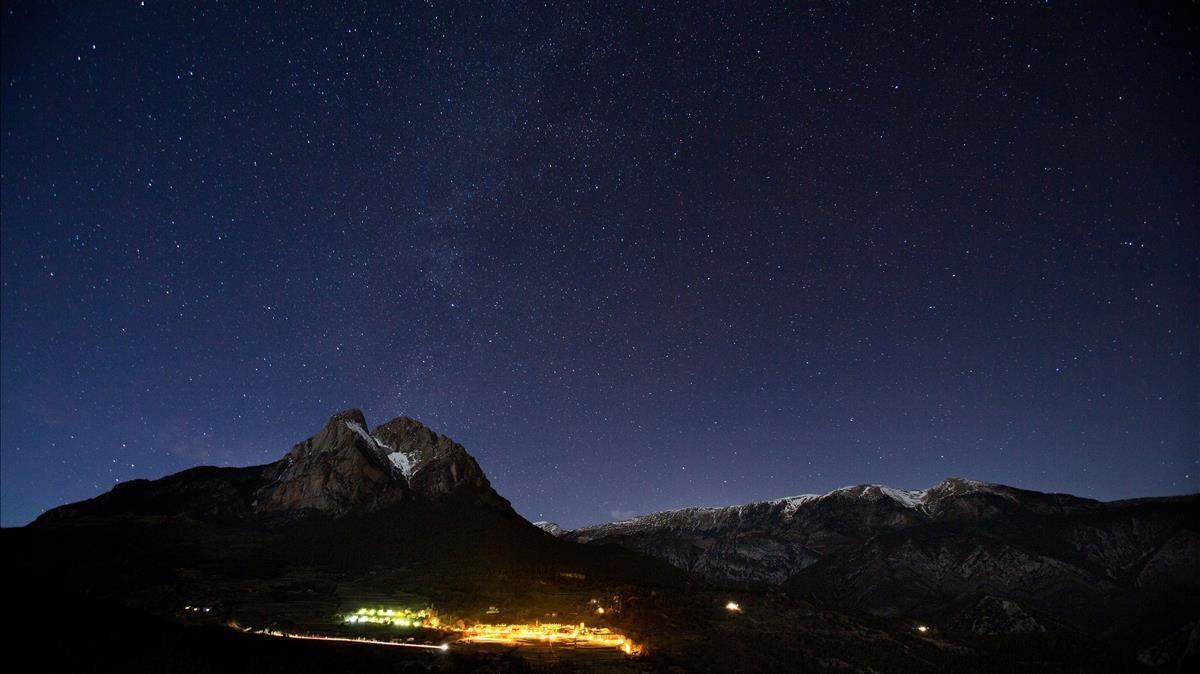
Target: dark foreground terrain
<point x="786" y="638"/>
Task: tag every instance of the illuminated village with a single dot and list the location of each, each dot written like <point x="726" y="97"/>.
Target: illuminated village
<point x="398" y="617"/>
<point x="516" y="634"/>
<point x="554" y="633"/>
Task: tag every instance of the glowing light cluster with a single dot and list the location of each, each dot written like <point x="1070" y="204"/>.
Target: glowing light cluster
<point x="734" y="607"/>
<point x="567" y="634"/>
<point x="403" y="617"/>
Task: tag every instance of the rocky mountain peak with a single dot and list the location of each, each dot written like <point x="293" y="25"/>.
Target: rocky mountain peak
<point x="352" y="414"/>
<point x="433" y="464"/>
<point x="958" y="486"/>
<point x="415" y="441"/>
<point x="345" y="467"/>
<point x="341" y="468"/>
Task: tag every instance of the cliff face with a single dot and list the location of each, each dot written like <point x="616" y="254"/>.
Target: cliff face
<point x="339" y="470"/>
<point x="433" y="464"/>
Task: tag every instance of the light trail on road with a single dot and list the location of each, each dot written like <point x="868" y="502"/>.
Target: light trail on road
<point x="351" y="640"/>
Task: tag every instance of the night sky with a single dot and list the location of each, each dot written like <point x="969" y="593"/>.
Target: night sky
<point x="633" y="257"/>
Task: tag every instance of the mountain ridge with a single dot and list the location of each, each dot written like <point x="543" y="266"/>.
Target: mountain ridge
<point x="984" y="557"/>
<point x="887" y="490"/>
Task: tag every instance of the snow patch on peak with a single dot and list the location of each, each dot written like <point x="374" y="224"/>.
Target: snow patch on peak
<point x="400" y="459"/>
<point x="960" y="486"/>
<point x="792" y="503"/>
<point x="362" y="432"/>
<point x="855" y="489"/>
<point x="404" y="463"/>
<point x="907" y="498"/>
<point x="964" y="484"/>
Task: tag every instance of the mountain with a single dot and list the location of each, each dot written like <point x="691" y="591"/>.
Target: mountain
<point x="398" y="515"/>
<point x="964" y="554"/>
<point x="341" y="470"/>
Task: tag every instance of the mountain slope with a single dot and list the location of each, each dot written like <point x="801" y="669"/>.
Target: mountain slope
<point x="968" y="554"/>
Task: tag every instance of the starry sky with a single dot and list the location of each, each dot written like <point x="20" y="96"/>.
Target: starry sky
<point x="632" y="256"/>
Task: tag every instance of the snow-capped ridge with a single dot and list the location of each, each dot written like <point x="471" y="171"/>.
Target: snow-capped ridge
<point x="551" y="528"/>
<point x="909" y="498"/>
<point x="913" y="499"/>
<point x="793" y="503"/>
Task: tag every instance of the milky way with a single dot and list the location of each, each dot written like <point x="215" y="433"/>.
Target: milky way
<point x="632" y="257"/>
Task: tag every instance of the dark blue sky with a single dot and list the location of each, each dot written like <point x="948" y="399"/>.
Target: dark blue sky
<point x="633" y="257"/>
